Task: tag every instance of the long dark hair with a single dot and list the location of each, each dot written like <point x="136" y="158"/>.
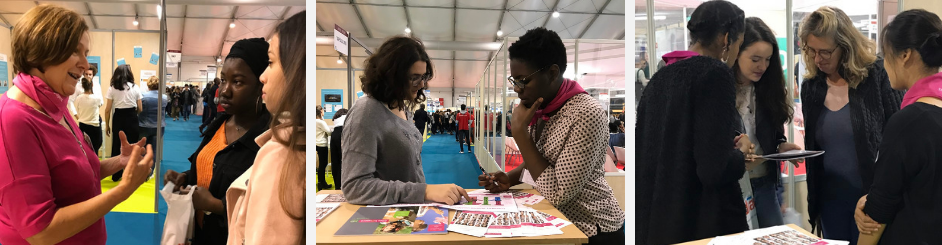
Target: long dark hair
<point x="918" y="30"/>
<point x="770" y="89"/>
<point x="291" y="45"/>
<point x="122" y="76"/>
<point x="387" y="77"/>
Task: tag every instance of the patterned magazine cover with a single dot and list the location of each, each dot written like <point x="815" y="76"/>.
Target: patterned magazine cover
<point x="415" y="220"/>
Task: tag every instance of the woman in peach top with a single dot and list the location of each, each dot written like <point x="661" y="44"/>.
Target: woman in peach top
<point x="266" y="203"/>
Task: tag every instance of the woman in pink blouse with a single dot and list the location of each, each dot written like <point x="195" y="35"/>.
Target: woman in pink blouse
<point x="266" y="203"/>
<point x="50" y="189"/>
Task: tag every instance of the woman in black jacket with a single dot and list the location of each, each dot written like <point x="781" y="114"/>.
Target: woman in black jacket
<point x="689" y="156"/>
<point x="229" y="148"/>
<point x="906" y="190"/>
<point x="762" y="103"/>
<point x="846" y="101"/>
<point x="336" y="153"/>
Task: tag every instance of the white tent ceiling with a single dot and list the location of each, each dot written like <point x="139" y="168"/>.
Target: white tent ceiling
<point x="200" y="29"/>
<point x="465" y="21"/>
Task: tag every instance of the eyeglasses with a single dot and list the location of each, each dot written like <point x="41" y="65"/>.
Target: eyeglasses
<point x="419" y="79"/>
<point x="825" y="54"/>
<point x="523" y="81"/>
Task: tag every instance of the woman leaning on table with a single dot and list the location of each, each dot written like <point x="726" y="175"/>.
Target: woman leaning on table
<point x="382" y="149"/>
<point x="907" y="184"/>
<point x="562" y="133"/>
<point x="266" y="203"/>
<point x="846" y="100"/>
<point x="50" y="177"/>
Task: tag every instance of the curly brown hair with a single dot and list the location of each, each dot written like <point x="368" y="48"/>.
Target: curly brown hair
<point x="387" y="77"/>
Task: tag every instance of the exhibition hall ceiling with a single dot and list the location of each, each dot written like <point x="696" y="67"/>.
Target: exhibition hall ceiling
<point x="465" y="22"/>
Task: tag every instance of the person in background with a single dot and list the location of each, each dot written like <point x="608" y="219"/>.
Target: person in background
<point x="336" y="152"/>
<point x="187" y="102"/>
<point x="150" y="110"/>
<point x="195" y="94"/>
<point x="562" y="135"/>
<point x="688" y="174"/>
<point x="762" y="104"/>
<point x="90" y="75"/>
<point x="229" y="148"/>
<point x="903" y="204"/>
<point x="209" y="109"/>
<point x="321" y="145"/>
<point x="847" y="100"/>
<point x="382" y="162"/>
<point x="51" y="178"/>
<point x="87" y="106"/>
<point x="421" y="119"/>
<point x="268" y="206"/>
<point x="125" y="98"/>
<point x="464" y="119"/>
<point x="175" y="99"/>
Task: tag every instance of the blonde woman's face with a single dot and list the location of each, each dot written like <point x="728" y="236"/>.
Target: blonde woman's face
<point x="819" y="47"/>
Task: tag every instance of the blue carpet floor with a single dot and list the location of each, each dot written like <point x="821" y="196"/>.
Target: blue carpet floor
<point x="443" y="164"/>
<point x="180" y="140"/>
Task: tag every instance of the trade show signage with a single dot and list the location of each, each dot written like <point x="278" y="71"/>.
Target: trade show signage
<point x="121" y="61"/>
<point x="341" y="40"/>
<point x="138" y="52"/>
<point x="331" y="100"/>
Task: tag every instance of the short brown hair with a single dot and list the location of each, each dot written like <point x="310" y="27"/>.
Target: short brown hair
<point x="46" y="35"/>
<point x="386" y="77"/>
<point x="94" y="70"/>
<point x="153" y="83"/>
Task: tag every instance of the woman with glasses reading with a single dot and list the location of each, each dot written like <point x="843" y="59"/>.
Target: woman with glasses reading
<point x="847" y="100"/>
<point x="382" y="162"/>
<point x="562" y="133"/>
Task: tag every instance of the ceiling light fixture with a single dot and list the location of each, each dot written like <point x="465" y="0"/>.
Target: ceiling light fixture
<point x="218" y="60"/>
<point x="232" y="24"/>
<point x="158" y="12"/>
<point x="555" y="14"/>
<point x="408" y="30"/>
<point x="500" y="33"/>
<point x="339" y="60"/>
<point x="135" y="21"/>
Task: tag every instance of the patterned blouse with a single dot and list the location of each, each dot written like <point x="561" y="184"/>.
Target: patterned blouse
<point x="573" y="142"/>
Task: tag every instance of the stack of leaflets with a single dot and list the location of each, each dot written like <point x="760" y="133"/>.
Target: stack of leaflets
<point x="330" y="198"/>
<point x="409" y="220"/>
<point x="520" y="197"/>
<point x="526" y="222"/>
<point x="776" y="235"/>
<point x="323" y="209"/>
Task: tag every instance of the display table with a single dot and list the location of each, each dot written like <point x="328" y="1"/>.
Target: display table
<point x="707" y="241"/>
<point x="329" y="225"/>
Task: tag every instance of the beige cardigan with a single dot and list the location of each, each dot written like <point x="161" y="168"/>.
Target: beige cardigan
<point x="254" y="209"/>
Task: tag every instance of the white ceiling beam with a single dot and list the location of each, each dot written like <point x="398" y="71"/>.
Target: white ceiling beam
<point x="154" y="16"/>
<point x="91" y="15"/>
<point x="183" y="27"/>
<point x="550" y="16"/>
<point x="139" y="24"/>
<point x="319" y="27"/>
<point x="468" y="8"/>
<point x="356" y="9"/>
<point x="5" y="22"/>
<point x="500" y="22"/>
<point x="359" y="56"/>
<point x="408" y="19"/>
<point x="594" y="18"/>
<point x="621" y="36"/>
<point x="284" y="14"/>
<point x="225" y="34"/>
<point x="454" y="54"/>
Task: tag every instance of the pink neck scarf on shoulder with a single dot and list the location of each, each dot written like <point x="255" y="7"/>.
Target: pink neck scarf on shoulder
<point x="568" y="89"/>
<point x="930" y="86"/>
<point x="53" y="103"/>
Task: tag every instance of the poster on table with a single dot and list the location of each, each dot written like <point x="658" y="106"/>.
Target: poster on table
<point x="331" y="100"/>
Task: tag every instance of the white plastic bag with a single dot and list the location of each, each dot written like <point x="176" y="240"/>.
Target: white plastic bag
<point x="178" y="227"/>
<point x="792" y="217"/>
<point x="750" y="201"/>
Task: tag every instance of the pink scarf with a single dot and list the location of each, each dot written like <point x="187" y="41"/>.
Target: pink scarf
<point x="568" y="89"/>
<point x="930" y="86"/>
<point x="53" y="103"/>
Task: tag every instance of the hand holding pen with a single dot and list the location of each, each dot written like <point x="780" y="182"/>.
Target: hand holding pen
<point x="494" y="182"/>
